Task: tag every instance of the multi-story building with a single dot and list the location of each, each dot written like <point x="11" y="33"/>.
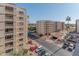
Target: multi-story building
<point x="13" y="28"/>
<point x="60" y="26"/>
<point x="48" y="27"/>
<point x="77" y="26"/>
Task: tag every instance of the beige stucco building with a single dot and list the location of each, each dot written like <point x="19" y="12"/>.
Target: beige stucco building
<point x="46" y="26"/>
<point x="60" y="26"/>
<point x="13" y="28"/>
<point x="77" y="25"/>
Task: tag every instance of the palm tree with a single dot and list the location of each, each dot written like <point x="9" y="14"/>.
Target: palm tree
<point x="68" y="19"/>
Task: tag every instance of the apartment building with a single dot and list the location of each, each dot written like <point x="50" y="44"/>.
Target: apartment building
<point x="77" y="25"/>
<point x="48" y="27"/>
<point x="13" y="28"/>
<point x="60" y="26"/>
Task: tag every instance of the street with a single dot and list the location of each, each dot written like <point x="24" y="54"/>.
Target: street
<point x="53" y="48"/>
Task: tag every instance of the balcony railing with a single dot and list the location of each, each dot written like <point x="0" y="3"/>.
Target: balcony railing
<point x="8" y="19"/>
<point x="9" y="33"/>
<point x="9" y="26"/>
<point x="9" y="10"/>
<point x="8" y="40"/>
<point x="8" y="47"/>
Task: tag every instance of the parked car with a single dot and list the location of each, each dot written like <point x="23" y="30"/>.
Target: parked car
<point x="39" y="49"/>
<point x="47" y="54"/>
<point x="71" y="47"/>
<point x="65" y="45"/>
<point x="41" y="52"/>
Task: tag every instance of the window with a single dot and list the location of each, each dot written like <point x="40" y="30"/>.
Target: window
<point x="10" y="9"/>
<point x="9" y="23"/>
<point x="21" y="29"/>
<point x="8" y="36"/>
<point x="21" y="18"/>
<point x="21" y="39"/>
<point x="7" y="51"/>
<point x="9" y="30"/>
<point x="21" y="23"/>
<point x="8" y="17"/>
<point x="20" y="34"/>
<point x="9" y="44"/>
<point x="21" y="12"/>
<point x="20" y="44"/>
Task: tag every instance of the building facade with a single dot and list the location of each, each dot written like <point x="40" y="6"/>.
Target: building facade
<point x="48" y="27"/>
<point x="77" y="25"/>
<point x="13" y="28"/>
<point x="60" y="26"/>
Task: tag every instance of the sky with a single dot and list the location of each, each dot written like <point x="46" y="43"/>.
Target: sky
<point x="51" y="11"/>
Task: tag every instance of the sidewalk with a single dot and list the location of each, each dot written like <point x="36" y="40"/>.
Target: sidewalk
<point x="32" y="53"/>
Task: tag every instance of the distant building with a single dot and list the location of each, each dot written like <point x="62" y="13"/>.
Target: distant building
<point x="60" y="26"/>
<point x="48" y="27"/>
<point x="13" y="28"/>
<point x="77" y="26"/>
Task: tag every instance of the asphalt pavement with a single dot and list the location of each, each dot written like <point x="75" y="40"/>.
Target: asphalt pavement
<point x="55" y="50"/>
<point x="51" y="47"/>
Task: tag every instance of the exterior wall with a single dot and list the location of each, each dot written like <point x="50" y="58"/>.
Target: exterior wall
<point x="51" y="27"/>
<point x="17" y="24"/>
<point x="40" y="27"/>
<point x="77" y="26"/>
<point x="45" y="26"/>
<point x="60" y="25"/>
<point x="17" y="31"/>
<point x="2" y="32"/>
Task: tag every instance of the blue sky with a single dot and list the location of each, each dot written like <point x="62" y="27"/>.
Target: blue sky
<point x="53" y="11"/>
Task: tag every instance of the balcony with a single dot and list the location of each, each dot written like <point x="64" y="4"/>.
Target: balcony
<point x="9" y="45"/>
<point x="8" y="40"/>
<point x="9" y="10"/>
<point x="9" y="34"/>
<point x="9" y="13"/>
<point x="9" y="31"/>
<point x="21" y="12"/>
<point x="21" y="18"/>
<point x="8" y="51"/>
<point x="9" y="23"/>
<point x="21" y="39"/>
<point x="9" y="48"/>
<point x="8" y="27"/>
<point x="8" y="19"/>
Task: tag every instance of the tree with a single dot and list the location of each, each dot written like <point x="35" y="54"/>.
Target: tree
<point x="32" y="28"/>
<point x="68" y="19"/>
<point x="22" y="52"/>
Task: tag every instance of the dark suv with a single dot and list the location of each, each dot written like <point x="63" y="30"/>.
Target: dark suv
<point x="65" y="45"/>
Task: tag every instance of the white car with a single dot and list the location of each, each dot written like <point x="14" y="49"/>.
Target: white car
<point x="47" y="54"/>
<point x="40" y="46"/>
<point x="38" y="49"/>
<point x="71" y="47"/>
